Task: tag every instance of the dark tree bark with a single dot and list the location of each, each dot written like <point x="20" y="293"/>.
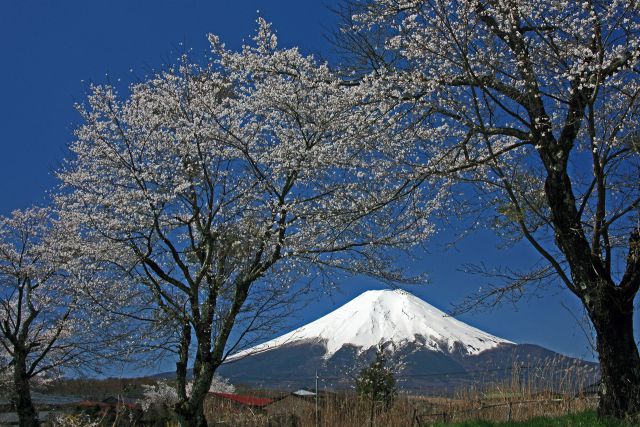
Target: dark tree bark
<point x="612" y="317"/>
<point x="208" y="356"/>
<point x="190" y="410"/>
<point x="610" y="306"/>
<point x="191" y="415"/>
<point x="27" y="415"/>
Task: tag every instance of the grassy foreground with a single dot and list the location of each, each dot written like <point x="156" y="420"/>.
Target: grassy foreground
<point x="584" y="419"/>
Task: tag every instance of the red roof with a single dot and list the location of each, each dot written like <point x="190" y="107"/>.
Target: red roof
<point x="245" y="400"/>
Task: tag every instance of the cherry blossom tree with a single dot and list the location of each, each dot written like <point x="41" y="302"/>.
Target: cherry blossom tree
<point x="222" y="180"/>
<point x="165" y="395"/>
<point x="535" y="105"/>
<point x="46" y="326"/>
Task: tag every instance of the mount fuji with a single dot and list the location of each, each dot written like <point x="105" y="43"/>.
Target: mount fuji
<point x="431" y="350"/>
<point x="386" y="316"/>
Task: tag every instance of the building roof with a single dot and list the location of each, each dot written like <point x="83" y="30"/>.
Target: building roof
<point x="245" y="400"/>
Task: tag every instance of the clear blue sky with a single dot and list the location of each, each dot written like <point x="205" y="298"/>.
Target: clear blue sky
<point x="52" y="49"/>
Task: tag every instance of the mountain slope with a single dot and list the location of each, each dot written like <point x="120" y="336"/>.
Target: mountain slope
<point x="431" y="351"/>
<point x="381" y="316"/>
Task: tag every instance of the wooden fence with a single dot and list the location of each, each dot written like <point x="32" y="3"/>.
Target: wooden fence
<point x="510" y="410"/>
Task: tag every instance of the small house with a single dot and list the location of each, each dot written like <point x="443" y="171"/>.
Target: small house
<point x="229" y="402"/>
<point x="292" y="404"/>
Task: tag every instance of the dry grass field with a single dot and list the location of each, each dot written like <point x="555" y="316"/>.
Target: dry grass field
<point x="542" y="390"/>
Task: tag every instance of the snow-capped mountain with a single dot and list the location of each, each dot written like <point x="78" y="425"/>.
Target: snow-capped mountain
<point x="433" y="352"/>
<point x="386" y="316"/>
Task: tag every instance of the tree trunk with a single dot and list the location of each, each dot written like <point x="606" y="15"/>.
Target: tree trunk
<point x="27" y="415"/>
<point x="190" y="411"/>
<point x="191" y="416"/>
<point x="612" y="317"/>
<point x="610" y="306"/>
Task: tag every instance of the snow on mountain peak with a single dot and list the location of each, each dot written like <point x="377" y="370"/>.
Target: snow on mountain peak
<point x="381" y="316"/>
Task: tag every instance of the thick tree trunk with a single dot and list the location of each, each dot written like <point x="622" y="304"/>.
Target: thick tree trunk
<point x="190" y="411"/>
<point x="612" y="317"/>
<point x="27" y="415"/>
<point x="191" y="417"/>
<point x="610" y="306"/>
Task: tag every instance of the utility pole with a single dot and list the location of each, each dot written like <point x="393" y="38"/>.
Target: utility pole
<point x="317" y="418"/>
